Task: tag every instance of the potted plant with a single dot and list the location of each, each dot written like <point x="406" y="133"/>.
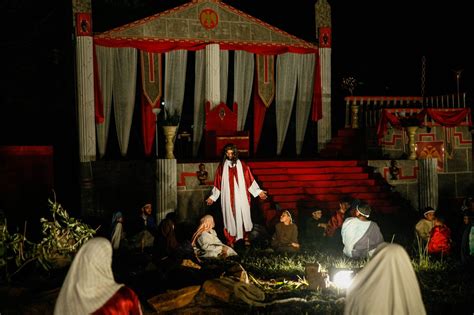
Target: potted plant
<point x="170" y="119"/>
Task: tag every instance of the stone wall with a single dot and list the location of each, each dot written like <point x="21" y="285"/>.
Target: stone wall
<point x="407" y="180"/>
<point x="192" y="195"/>
<point x="455" y="179"/>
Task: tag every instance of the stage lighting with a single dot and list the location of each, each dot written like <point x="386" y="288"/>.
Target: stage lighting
<point x="340" y="277"/>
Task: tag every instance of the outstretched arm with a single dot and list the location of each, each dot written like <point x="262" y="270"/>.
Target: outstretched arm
<point x="214" y="196"/>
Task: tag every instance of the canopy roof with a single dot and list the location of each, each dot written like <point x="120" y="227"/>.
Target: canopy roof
<point x="201" y="22"/>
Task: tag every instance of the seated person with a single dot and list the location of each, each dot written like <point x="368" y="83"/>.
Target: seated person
<point x="315" y="227"/>
<point x="360" y="235"/>
<point x="285" y="238"/>
<point x="165" y="243"/>
<point x="89" y="286"/>
<point x="145" y="228"/>
<point x="440" y="238"/>
<point x="424" y="226"/>
<point x="467" y="241"/>
<point x="206" y="242"/>
<point x="336" y="220"/>
<point x="117" y="233"/>
<point x="386" y="285"/>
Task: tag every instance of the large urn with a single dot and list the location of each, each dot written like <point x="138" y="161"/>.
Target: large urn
<point x="170" y="134"/>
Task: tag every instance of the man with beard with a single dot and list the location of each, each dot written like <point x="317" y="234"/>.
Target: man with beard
<point x="234" y="183"/>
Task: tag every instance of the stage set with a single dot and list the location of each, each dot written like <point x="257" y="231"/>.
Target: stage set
<point x="413" y="148"/>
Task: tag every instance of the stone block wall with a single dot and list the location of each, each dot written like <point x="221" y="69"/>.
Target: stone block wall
<point x="455" y="179"/>
<point x="192" y="195"/>
<point x="407" y="181"/>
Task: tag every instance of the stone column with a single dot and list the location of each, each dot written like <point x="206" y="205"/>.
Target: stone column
<point x="166" y="187"/>
<point x="213" y="75"/>
<point x="85" y="99"/>
<point x="428" y="183"/>
<point x="82" y="23"/>
<point x="324" y="35"/>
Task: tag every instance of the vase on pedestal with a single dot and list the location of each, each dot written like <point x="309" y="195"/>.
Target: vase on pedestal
<point x="355" y="116"/>
<point x="170" y="134"/>
<point x="411" y="130"/>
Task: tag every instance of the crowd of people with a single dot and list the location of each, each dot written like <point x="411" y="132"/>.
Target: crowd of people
<point x="91" y="287"/>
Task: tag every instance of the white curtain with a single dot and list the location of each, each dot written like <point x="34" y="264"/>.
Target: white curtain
<point x="224" y="74"/>
<point x="243" y="82"/>
<point x="199" y="91"/>
<point x="105" y="65"/>
<point x="175" y="76"/>
<point x="304" y="96"/>
<point x="124" y="86"/>
<point x="286" y="66"/>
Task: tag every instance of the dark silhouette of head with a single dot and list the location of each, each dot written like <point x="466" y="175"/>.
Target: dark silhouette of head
<point x="230" y="153"/>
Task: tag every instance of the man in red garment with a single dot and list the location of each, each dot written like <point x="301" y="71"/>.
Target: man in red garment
<point x="234" y="182"/>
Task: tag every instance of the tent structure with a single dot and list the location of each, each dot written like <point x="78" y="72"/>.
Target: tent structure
<point x="270" y="64"/>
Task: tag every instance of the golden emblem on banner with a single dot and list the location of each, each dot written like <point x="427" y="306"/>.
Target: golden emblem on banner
<point x="208" y="18"/>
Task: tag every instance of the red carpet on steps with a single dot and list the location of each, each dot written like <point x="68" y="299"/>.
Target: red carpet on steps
<point x="305" y="185"/>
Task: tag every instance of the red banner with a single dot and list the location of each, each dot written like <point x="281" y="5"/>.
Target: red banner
<point x="266" y="78"/>
<point x="325" y="38"/>
<point x="151" y="95"/>
<point x="83" y="24"/>
<point x="151" y="77"/>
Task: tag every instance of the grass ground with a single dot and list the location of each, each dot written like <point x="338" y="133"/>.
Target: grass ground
<point x="447" y="286"/>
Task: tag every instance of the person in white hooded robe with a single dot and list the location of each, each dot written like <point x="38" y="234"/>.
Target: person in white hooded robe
<point x="386" y="285"/>
<point x="90" y="287"/>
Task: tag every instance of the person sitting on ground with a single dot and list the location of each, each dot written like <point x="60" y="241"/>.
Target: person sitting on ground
<point x="285" y="238"/>
<point x="424" y="226"/>
<point x="337" y="219"/>
<point x="117" y="233"/>
<point x="360" y="236"/>
<point x="315" y="227"/>
<point x="165" y="243"/>
<point x="467" y="241"/>
<point x="386" y="285"/>
<point x="89" y="286"/>
<point x="440" y="238"/>
<point x="145" y="228"/>
<point x="206" y="242"/>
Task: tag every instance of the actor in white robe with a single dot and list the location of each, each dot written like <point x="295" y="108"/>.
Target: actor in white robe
<point x="359" y="235"/>
<point x="234" y="183"/>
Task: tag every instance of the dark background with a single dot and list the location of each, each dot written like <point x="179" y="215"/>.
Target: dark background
<point x="380" y="43"/>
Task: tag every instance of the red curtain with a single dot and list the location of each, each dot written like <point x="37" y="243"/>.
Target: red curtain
<point x="148" y="126"/>
<point x="98" y="105"/>
<point x="450" y="118"/>
<point x="443" y="117"/>
<point x="151" y="81"/>
<point x="259" y="110"/>
<point x="317" y="110"/>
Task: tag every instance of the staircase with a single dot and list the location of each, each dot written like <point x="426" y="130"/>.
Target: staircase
<point x="347" y="144"/>
<point x="305" y="185"/>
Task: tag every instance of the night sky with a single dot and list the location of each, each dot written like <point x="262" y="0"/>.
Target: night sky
<point x="380" y="43"/>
